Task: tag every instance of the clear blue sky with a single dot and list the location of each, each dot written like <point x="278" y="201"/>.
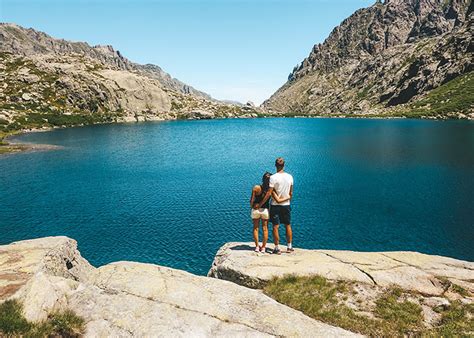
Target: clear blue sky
<point x="232" y="49"/>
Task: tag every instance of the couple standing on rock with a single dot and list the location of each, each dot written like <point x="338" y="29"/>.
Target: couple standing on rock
<point x="279" y="187"/>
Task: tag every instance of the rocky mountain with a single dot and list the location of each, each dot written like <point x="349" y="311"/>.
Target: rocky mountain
<point x="51" y="82"/>
<point x="29" y="42"/>
<point x="400" y="57"/>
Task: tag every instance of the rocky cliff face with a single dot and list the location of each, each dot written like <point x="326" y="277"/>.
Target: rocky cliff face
<point x="50" y="82"/>
<point x="392" y="54"/>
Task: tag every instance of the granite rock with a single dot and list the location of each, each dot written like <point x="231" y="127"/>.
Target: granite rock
<point x="409" y="270"/>
<point x="134" y="299"/>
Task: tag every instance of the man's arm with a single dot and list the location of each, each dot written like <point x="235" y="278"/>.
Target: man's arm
<point x="278" y="199"/>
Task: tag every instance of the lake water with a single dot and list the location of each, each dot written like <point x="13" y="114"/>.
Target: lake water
<point x="172" y="193"/>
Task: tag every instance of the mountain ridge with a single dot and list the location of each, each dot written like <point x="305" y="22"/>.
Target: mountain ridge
<point x="48" y="82"/>
<point x="381" y="58"/>
<point x="41" y="43"/>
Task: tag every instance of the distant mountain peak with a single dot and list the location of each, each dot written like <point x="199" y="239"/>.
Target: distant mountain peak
<point x="28" y="41"/>
<point x="374" y="57"/>
<point x="48" y="82"/>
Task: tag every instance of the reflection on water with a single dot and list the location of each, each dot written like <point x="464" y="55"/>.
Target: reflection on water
<point x="411" y="142"/>
<point x="172" y="193"/>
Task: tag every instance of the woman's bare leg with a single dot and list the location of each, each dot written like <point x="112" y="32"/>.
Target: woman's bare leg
<point x="265" y="232"/>
<point x="256" y="223"/>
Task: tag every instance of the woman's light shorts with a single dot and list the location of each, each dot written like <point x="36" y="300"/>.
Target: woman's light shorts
<point x="261" y="213"/>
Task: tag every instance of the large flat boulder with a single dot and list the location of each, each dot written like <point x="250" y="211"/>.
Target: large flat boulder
<point x="56" y="256"/>
<point x="237" y="262"/>
<point x="134" y="299"/>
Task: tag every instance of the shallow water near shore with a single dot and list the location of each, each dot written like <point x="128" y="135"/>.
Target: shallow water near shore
<point x="171" y="193"/>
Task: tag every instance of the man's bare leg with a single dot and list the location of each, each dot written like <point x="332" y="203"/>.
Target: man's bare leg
<point x="276" y="238"/>
<point x="276" y="235"/>
<point x="289" y="237"/>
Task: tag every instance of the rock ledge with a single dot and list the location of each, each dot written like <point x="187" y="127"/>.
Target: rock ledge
<point x="414" y="271"/>
<point x="133" y="299"/>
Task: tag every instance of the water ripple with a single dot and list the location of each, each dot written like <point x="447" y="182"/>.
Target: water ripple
<point x="172" y="193"/>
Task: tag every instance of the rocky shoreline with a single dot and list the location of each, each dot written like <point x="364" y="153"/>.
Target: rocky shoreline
<point x="11" y="146"/>
<point x="128" y="298"/>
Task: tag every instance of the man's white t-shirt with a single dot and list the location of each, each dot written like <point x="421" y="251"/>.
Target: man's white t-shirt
<point x="281" y="184"/>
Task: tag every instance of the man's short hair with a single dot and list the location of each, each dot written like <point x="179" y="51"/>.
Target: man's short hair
<point x="280" y="162"/>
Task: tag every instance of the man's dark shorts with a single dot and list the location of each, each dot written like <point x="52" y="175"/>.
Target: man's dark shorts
<point x="280" y="214"/>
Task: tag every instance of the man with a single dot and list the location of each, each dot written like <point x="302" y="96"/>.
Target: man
<point x="281" y="190"/>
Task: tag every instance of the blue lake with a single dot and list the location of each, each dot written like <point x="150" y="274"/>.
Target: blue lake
<point x="172" y="193"/>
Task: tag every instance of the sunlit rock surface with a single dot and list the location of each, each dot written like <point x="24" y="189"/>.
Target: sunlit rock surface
<point x="126" y="298"/>
<point x="409" y="270"/>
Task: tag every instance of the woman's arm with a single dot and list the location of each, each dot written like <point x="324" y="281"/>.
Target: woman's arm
<point x="252" y="198"/>
<point x="278" y="199"/>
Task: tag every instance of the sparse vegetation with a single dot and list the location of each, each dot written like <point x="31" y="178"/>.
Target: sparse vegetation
<point x="453" y="96"/>
<point x="14" y="324"/>
<point x="397" y="315"/>
<point x="56" y="119"/>
<point x="5" y="147"/>
<point x="94" y="68"/>
<point x="364" y="92"/>
<point x="176" y="105"/>
<point x="459" y="290"/>
<point x="456" y="320"/>
<point x="393" y="313"/>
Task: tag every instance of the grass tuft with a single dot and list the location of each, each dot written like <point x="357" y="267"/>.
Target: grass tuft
<point x="66" y="323"/>
<point x="401" y="316"/>
<point x="12" y="321"/>
<point x="456" y="320"/>
<point x="319" y="298"/>
<point x="62" y="324"/>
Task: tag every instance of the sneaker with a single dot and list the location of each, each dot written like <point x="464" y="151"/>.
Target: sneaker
<point x="257" y="249"/>
<point x="290" y="250"/>
<point x="276" y="251"/>
<point x="262" y="249"/>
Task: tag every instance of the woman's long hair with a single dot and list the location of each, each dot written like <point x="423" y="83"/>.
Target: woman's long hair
<point x="266" y="182"/>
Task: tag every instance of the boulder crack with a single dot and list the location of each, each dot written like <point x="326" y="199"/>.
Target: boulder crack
<point x="355" y="266"/>
<point x="176" y="306"/>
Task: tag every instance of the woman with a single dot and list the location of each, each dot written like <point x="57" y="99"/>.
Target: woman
<point x="262" y="213"/>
